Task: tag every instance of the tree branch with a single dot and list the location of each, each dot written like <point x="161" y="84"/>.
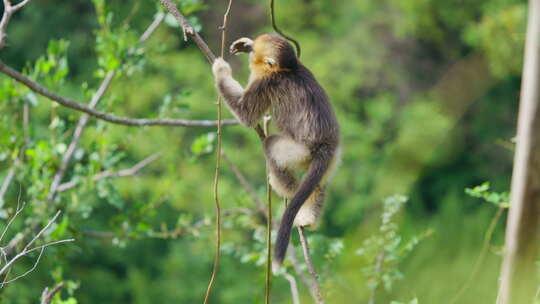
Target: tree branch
<point x="294" y="287"/>
<point x="8" y="11"/>
<point x="47" y="295"/>
<point x="316" y="286"/>
<point x="8" y="179"/>
<point x="70" y="103"/>
<point x="109" y="173"/>
<point x="152" y="27"/>
<point x="81" y="125"/>
<point x="188" y="30"/>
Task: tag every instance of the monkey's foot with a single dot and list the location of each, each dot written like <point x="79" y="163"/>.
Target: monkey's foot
<point x="307" y="217"/>
<point x="242" y="45"/>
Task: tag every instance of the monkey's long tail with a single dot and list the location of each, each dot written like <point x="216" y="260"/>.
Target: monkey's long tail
<point x="319" y="165"/>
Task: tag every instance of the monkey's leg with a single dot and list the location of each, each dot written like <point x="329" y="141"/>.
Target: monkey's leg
<point x="282" y="155"/>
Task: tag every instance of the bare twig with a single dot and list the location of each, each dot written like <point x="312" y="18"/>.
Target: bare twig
<point x="8" y="179"/>
<point x="47" y="295"/>
<point x="6" y="281"/>
<point x="297" y="266"/>
<point x="109" y="173"/>
<point x="70" y="103"/>
<point x="152" y="27"/>
<point x="27" y="250"/>
<point x="51" y="221"/>
<point x="19" y="209"/>
<point x="294" y="287"/>
<point x="307" y="256"/>
<point x="26" y="123"/>
<point x="8" y="12"/>
<point x="23" y="253"/>
<point x="20" y="5"/>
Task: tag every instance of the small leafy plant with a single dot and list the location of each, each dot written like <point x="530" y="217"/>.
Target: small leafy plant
<point x="386" y="249"/>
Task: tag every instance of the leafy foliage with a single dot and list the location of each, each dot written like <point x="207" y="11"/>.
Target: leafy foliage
<point x="499" y="199"/>
<point x="385" y="250"/>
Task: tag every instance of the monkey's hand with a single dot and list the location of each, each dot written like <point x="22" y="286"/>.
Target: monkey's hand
<point x="242" y="45"/>
<point x="221" y="68"/>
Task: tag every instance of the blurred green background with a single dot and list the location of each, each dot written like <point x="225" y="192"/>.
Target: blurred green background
<point x="426" y="92"/>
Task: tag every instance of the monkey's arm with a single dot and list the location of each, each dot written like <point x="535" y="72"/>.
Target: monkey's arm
<point x="246" y="105"/>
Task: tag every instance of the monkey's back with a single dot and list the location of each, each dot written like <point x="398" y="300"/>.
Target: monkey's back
<point x="301" y="108"/>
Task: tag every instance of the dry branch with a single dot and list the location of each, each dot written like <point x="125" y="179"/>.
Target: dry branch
<point x="8" y="11"/>
<point x="109" y="173"/>
<point x="28" y="250"/>
<point x="294" y="287"/>
<point x="81" y="125"/>
<point x="8" y="179"/>
<point x="316" y="286"/>
<point x="47" y="295"/>
<point x="188" y="30"/>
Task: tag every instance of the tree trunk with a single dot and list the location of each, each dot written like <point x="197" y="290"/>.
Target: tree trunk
<point x="519" y="280"/>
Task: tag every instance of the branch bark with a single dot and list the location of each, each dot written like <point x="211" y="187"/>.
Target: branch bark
<point x="188" y="30"/>
<point x="316" y="285"/>
<point x="47" y="295"/>
<point x="8" y="11"/>
<point x="294" y="287"/>
<point x="70" y="103"/>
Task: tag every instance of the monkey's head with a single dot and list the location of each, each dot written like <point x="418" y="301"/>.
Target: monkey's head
<point x="272" y="53"/>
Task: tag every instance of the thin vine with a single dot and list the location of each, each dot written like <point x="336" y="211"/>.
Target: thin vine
<point x="217" y="257"/>
<point x="268" y="281"/>
<point x="274" y="25"/>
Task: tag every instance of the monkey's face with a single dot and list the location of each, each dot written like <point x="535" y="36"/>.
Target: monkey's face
<point x="272" y="53"/>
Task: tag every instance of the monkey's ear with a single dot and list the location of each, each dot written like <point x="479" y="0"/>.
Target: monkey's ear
<point x="270" y="61"/>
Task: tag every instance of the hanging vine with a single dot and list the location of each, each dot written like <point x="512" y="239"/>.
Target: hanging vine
<point x="217" y="256"/>
<point x="279" y="31"/>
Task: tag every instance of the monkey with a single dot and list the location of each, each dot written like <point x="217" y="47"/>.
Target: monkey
<point x="309" y="137"/>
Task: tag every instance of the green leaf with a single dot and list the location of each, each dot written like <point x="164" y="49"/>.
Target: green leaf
<point x="203" y="144"/>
